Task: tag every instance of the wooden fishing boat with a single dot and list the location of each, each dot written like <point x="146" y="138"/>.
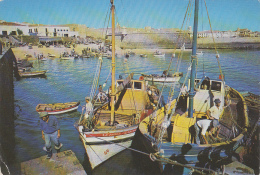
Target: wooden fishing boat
<point x="66" y="56"/>
<point x="169" y="133"/>
<point x="167" y="78"/>
<point x="159" y="54"/>
<point x="32" y="74"/>
<point x="143" y="55"/>
<point x="51" y="55"/>
<point x="110" y="128"/>
<point x="57" y="108"/>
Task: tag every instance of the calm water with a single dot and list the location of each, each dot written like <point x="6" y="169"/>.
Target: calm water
<point x="71" y="80"/>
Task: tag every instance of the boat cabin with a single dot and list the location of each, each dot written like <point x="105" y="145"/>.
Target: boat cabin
<point x="133" y="97"/>
<point x="207" y="91"/>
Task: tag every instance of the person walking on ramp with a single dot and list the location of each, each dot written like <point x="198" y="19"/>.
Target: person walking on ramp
<point x="50" y="132"/>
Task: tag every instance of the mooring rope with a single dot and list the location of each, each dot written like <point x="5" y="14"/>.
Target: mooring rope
<point x="156" y="157"/>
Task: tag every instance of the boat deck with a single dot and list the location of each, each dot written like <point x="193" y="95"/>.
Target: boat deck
<point x="104" y="117"/>
<point x="230" y="124"/>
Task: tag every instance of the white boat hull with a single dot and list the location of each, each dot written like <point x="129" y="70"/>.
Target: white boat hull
<point x="63" y="111"/>
<point x="100" y="149"/>
<point x="162" y="79"/>
<point x="67" y="58"/>
<point x="160" y="56"/>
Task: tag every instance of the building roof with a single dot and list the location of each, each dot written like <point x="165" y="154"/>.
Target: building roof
<point x="11" y="24"/>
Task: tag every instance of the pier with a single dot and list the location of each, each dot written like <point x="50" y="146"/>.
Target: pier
<point x="61" y="163"/>
<point x="7" y="131"/>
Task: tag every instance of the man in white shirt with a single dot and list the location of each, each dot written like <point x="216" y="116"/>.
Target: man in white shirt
<point x="184" y="90"/>
<point x="202" y="125"/>
<point x="89" y="107"/>
<point x="214" y="113"/>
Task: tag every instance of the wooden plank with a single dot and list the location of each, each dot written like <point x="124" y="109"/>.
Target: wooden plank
<point x="61" y="163"/>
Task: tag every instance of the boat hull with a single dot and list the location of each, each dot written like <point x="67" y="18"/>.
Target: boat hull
<point x="57" y="111"/>
<point x="168" y="149"/>
<point x="100" y="146"/>
<point x="159" y="56"/>
<point x="32" y="74"/>
<point x="162" y="79"/>
<point x="67" y="58"/>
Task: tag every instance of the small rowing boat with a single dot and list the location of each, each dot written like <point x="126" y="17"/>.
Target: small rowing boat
<point x="57" y="108"/>
<point x="159" y="54"/>
<point x="32" y="74"/>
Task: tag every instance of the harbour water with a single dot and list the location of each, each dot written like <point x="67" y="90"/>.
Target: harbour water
<point x="71" y="80"/>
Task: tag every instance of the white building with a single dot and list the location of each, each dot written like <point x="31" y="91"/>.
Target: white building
<point x="9" y="28"/>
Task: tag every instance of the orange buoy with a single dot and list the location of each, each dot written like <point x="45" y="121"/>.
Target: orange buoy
<point x="141" y="78"/>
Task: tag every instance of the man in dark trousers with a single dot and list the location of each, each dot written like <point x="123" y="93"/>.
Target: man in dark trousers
<point x="50" y="132"/>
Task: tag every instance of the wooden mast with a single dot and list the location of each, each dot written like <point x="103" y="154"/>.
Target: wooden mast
<point x="193" y="60"/>
<point x="113" y="65"/>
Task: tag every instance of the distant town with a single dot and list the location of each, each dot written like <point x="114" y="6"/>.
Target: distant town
<point x="14" y="33"/>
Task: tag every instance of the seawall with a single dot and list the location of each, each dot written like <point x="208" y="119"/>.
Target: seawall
<point x="7" y="140"/>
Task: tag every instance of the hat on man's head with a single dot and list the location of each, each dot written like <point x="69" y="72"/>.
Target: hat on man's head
<point x="87" y="98"/>
<point x="43" y="114"/>
<point x="217" y="100"/>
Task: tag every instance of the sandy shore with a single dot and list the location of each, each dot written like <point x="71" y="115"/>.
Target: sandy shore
<point x="20" y="52"/>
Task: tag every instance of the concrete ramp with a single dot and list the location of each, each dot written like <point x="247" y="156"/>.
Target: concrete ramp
<point x="61" y="163"/>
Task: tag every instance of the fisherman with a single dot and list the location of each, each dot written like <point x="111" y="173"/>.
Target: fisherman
<point x="108" y="93"/>
<point x="89" y="108"/>
<point x="50" y="131"/>
<point x="184" y="90"/>
<point x="164" y="74"/>
<point x="101" y="94"/>
<point x="157" y="100"/>
<point x="182" y="104"/>
<point x="214" y="113"/>
<point x="202" y="125"/>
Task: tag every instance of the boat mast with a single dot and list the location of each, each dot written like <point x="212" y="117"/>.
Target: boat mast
<point x="193" y="60"/>
<point x="113" y="65"/>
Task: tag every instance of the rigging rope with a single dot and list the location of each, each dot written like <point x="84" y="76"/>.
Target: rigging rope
<point x="217" y="55"/>
<point x="108" y="10"/>
<point x="169" y="161"/>
<point x="178" y="60"/>
<point x="96" y="78"/>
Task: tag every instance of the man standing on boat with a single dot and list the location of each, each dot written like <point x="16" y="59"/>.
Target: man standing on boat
<point x="89" y="107"/>
<point x="183" y="98"/>
<point x="214" y="113"/>
<point x="50" y="131"/>
<point x="184" y="90"/>
<point x="87" y="116"/>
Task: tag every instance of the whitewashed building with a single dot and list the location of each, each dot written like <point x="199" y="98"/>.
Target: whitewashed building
<point x="10" y="28"/>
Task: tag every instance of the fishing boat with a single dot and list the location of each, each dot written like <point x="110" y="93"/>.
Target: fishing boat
<point x="32" y="74"/>
<point x="159" y="54"/>
<point x="199" y="53"/>
<point x="51" y="55"/>
<point x="143" y="55"/>
<point x="168" y="134"/>
<point x="57" y="108"/>
<point x="110" y="128"/>
<point x="165" y="77"/>
<point x="66" y="56"/>
<point x="41" y="57"/>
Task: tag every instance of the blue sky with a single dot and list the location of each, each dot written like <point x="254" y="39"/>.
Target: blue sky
<point x="224" y="14"/>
